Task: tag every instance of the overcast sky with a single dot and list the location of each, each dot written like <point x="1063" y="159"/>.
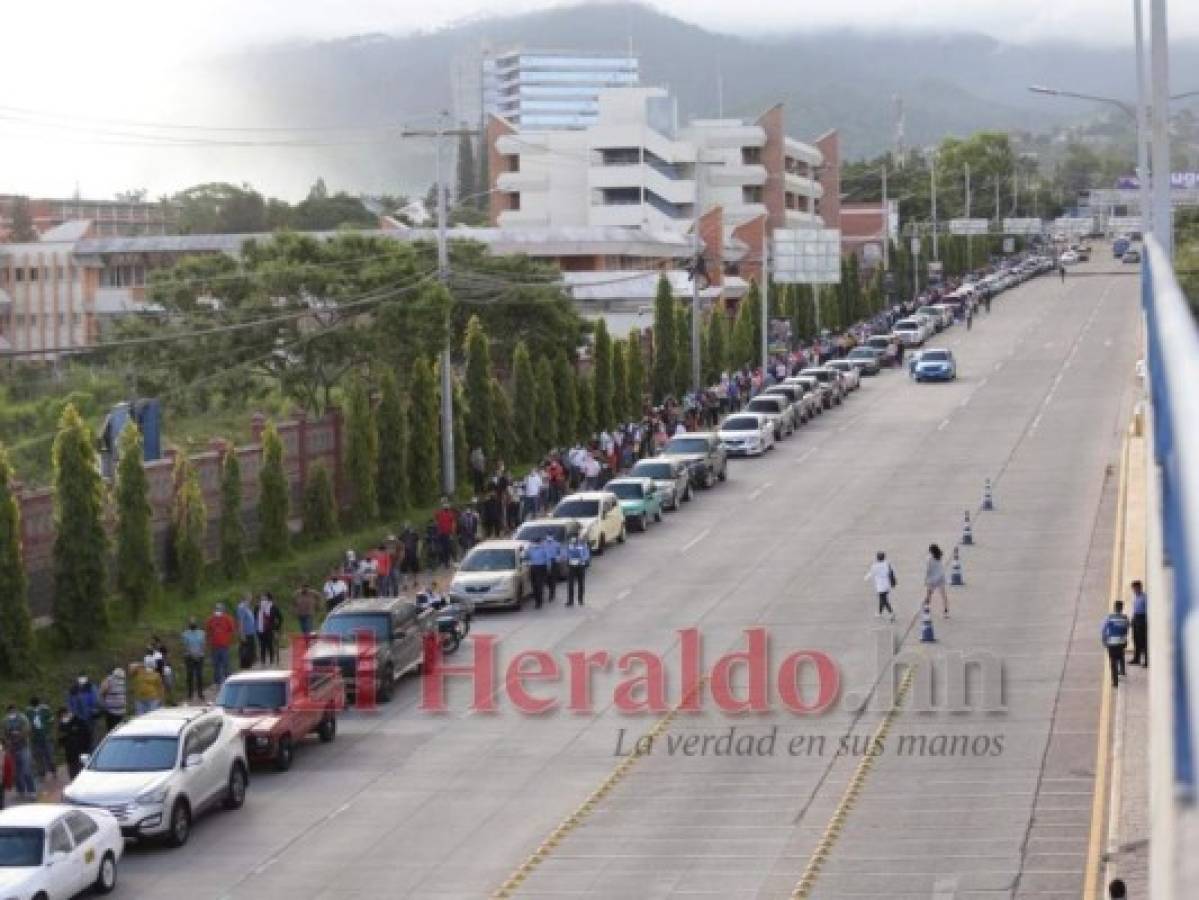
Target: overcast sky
<point x="117" y="59"/>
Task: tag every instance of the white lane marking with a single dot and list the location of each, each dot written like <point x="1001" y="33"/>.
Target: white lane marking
<point x="999" y="365"/>
<point x="695" y="540"/>
<point x="266" y="865"/>
<point x="805" y="455"/>
<point x="337" y="812"/>
<point x="984" y="381"/>
<point x="1036" y="422"/>
<point x="624" y="593"/>
<point x="944" y="424"/>
<point x="757" y="492"/>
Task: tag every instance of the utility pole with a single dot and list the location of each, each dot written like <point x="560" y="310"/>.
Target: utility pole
<point x="439" y="135"/>
<point x="701" y="264"/>
<point x="1016" y="192"/>
<point x="765" y="323"/>
<point x="998" y="179"/>
<point x="969" y="239"/>
<point x="886" y="224"/>
<point x="1146" y="200"/>
<point x="1159" y="109"/>
<point x="936" y="228"/>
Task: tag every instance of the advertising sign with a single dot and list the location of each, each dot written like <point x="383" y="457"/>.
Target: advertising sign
<point x="1022" y="226"/>
<point x="1074" y="225"/>
<point x="807" y="255"/>
<point x="779" y="336"/>
<point x="968" y="226"/>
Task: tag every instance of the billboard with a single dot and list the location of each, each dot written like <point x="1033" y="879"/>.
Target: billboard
<point x="807" y="255"/>
<point x="1074" y="225"/>
<point x="968" y="226"/>
<point x="1118" y="224"/>
<point x="1022" y="226"/>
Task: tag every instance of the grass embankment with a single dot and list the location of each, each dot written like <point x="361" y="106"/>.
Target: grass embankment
<point x="125" y="640"/>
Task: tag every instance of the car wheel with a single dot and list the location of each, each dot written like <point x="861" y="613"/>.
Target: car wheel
<point x="235" y="793"/>
<point x="687" y="493"/>
<point x="180" y="825"/>
<point x="106" y="875"/>
<point x="624" y="533"/>
<point x="328" y="728"/>
<point x="284" y="754"/>
<point x="642" y="522"/>
<point x="708" y="479"/>
<point x="450" y="642"/>
<point x="388" y="686"/>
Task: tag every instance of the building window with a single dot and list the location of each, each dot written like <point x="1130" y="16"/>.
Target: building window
<point x="514" y="202"/>
<point x="20" y="320"/>
<point x="513" y="162"/>
<point x="33" y="274"/>
<point x="20" y="273"/>
<point x="626" y="196"/>
<point x="621" y="156"/>
<point x="751" y="156"/>
<point x="751" y="193"/>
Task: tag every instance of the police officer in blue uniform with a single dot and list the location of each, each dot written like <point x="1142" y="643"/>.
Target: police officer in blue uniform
<point x="555" y="553"/>
<point x="1115" y="638"/>
<point x="539" y="569"/>
<point x="578" y="558"/>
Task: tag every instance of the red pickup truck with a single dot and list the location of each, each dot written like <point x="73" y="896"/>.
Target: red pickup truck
<point x="274" y="716"/>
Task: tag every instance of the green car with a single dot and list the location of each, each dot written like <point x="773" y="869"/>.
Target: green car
<point x="640" y="500"/>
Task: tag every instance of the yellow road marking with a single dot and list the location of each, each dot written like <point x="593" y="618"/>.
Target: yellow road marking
<point x="1091" y="885"/>
<point x="832" y="831"/>
<point x="513" y="882"/>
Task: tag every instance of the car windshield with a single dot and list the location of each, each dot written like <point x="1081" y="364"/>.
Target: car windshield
<point x="135" y="754"/>
<point x="21" y="848"/>
<point x="906" y="326"/>
<point x="661" y="471"/>
<point x="577" y="509"/>
<point x="740" y="423"/>
<point x="687" y="445"/>
<point x="762" y="404"/>
<point x="861" y="353"/>
<point x="626" y="490"/>
<point x="253" y="694"/>
<point x="533" y="531"/>
<point x="934" y="356"/>
<point x="489" y="559"/>
<point x="349" y="624"/>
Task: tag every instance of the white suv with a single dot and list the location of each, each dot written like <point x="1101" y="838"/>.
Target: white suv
<point x="157" y="772"/>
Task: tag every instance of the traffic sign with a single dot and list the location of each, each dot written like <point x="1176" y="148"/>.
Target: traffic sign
<point x="915" y="246"/>
<point x="1022" y="226"/>
<point x="1009" y="245"/>
<point x="968" y="226"/>
<point x="1074" y="225"/>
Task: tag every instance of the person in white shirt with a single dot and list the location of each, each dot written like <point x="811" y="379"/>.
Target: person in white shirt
<point x="884" y="579"/>
<point x="680" y="428"/>
<point x="591" y="472"/>
<point x="530" y="501"/>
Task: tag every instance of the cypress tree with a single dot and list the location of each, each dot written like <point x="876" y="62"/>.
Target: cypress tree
<point x="136" y="580"/>
<point x="586" y="399"/>
<point x="504" y="435"/>
<point x="391" y="420"/>
<point x="80" y="545"/>
<point x="567" y="400"/>
<point x="362" y="455"/>
<point x="320" y="507"/>
<point x="665" y="342"/>
<point x="273" y="536"/>
<point x="16" y="631"/>
<point x="620" y="382"/>
<point x="468" y="172"/>
<point x="547" y="406"/>
<point x="741" y="350"/>
<point x="635" y="374"/>
<point x="189" y="524"/>
<point x="524" y="403"/>
<point x="602" y="376"/>
<point x="480" y="428"/>
<point x="461" y="450"/>
<point x="424" y="465"/>
<point x="716" y="345"/>
<point x="233" y="532"/>
<point x="682" y="372"/>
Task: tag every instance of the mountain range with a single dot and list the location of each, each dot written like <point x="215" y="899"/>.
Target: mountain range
<point x="949" y="84"/>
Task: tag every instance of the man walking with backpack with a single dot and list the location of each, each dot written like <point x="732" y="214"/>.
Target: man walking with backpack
<point x="883" y="577"/>
<point x="1115" y="638"/>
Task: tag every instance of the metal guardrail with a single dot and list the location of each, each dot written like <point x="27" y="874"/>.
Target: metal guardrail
<point x="1173" y="373"/>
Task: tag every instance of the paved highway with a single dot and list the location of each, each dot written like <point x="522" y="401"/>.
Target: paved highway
<point x="406" y="803"/>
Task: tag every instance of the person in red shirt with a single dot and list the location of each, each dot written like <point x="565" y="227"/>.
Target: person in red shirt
<point x="446" y="521"/>
<point x="382" y="560"/>
<point x="221" y="630"/>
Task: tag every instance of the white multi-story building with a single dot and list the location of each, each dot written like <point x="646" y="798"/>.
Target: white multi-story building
<point x="636" y="167"/>
<point x="541" y="89"/>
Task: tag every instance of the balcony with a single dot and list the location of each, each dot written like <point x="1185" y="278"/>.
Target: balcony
<point x="736" y="175"/>
<point x="798" y="184"/>
<point x="516" y="182"/>
<point x="652" y="178"/>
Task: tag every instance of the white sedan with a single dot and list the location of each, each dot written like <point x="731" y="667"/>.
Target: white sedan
<point x="852" y="375"/>
<point x="746" y="434"/>
<point x="54" y="851"/>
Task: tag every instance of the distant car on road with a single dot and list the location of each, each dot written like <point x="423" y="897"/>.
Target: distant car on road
<point x="274" y="718"/>
<point x="51" y="850"/>
<point x="1068" y="258"/>
<point x="494" y="573"/>
<point x="640" y="501"/>
<point x="747" y="434"/>
<point x="830" y="380"/>
<point x="155" y="773"/>
<point x="778" y="409"/>
<point x="936" y="365"/>
<point x="867" y="359"/>
<point x="849" y="372"/>
<point x="396" y="627"/>
<point x="909" y="332"/>
<point x="1131" y="256"/>
<point x="671" y="477"/>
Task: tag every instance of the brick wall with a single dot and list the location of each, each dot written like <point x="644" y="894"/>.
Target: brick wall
<point x="305" y="443"/>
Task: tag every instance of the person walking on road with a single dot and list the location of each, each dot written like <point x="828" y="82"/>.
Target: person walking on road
<point x="16" y="745"/>
<point x="269" y="621"/>
<point x="969" y="315"/>
<point x="1115" y="638"/>
<point x="247" y="626"/>
<point x="1061" y="270"/>
<point x="1140" y="625"/>
<point x="41" y="726"/>
<point x="934" y="578"/>
<point x="305" y="600"/>
<point x="884" y="579"/>
<point x="578" y="558"/>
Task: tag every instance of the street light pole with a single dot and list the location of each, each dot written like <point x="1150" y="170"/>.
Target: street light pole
<point x="765" y="323"/>
<point x="933" y="176"/>
<point x="886" y="224"/>
<point x="1146" y="200"/>
<point x="1159" y="64"/>
<point x="697" y="242"/>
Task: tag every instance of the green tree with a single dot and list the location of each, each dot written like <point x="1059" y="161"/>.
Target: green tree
<point x="80" y="545"/>
<point x="635" y="374"/>
<point x="716" y="344"/>
<point x="547" y="407"/>
<point x="741" y="349"/>
<point x="424" y="466"/>
<point x="320" y="505"/>
<point x="665" y="342"/>
<point x="391" y="420"/>
<point x="602" y="376"/>
<point x="504" y="436"/>
<point x="585" y="395"/>
<point x="461" y="450"/>
<point x="524" y="402"/>
<point x="479" y="426"/>
<point x="467" y="186"/>
<point x="682" y="372"/>
<point x="362" y="455"/>
<point x="233" y="532"/>
<point x="21" y="231"/>
<point x="136" y="580"/>
<point x="274" y="538"/>
<point x="189" y="525"/>
<point x="620" y="382"/>
<point x="568" y="401"/>
<point x="16" y="631"/>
